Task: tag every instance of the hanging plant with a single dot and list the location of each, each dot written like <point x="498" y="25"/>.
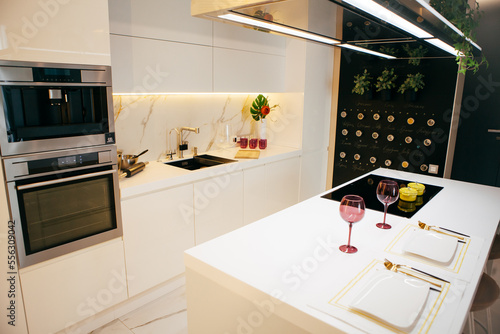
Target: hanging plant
<point x="362" y="83"/>
<point x="415" y="54"/>
<point x="413" y="82"/>
<point x="386" y="80"/>
<point x="466" y="19"/>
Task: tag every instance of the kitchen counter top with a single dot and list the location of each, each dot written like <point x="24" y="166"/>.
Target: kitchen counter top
<point x="270" y="275"/>
<point x="157" y="175"/>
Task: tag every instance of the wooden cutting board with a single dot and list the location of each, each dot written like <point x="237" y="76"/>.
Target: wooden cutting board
<point x="247" y="154"/>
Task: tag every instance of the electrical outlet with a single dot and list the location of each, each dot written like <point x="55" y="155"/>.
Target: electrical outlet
<point x="433" y="169"/>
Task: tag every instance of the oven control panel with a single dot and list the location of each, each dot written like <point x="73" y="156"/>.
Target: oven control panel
<point x="54" y="162"/>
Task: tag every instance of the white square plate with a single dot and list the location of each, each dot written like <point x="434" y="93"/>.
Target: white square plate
<point x="432" y="245"/>
<point x="394" y="298"/>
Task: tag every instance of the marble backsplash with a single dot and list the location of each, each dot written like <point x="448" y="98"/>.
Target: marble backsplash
<point x="144" y="121"/>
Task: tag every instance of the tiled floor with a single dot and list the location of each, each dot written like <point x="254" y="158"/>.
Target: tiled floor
<point x="168" y="315"/>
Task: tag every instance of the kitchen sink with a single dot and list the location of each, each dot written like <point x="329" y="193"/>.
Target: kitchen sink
<point x="199" y="161"/>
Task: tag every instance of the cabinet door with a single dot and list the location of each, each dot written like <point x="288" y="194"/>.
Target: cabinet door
<point x="143" y="65"/>
<point x="157" y="229"/>
<point x="74" y="31"/>
<point x="218" y="204"/>
<point x="65" y="290"/>
<point x="282" y="184"/>
<point x="254" y="206"/>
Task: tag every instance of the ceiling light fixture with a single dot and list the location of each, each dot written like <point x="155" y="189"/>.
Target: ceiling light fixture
<point x="279" y="28"/>
<point x="357" y="48"/>
<point x="388" y="16"/>
<point x="443" y="46"/>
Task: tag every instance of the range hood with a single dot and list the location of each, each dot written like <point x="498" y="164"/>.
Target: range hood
<point x="371" y="26"/>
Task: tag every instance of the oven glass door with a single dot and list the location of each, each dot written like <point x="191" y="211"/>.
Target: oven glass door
<point x="58" y="211"/>
<point x="39" y="112"/>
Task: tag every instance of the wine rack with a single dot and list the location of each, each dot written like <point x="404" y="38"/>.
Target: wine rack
<point x="397" y="134"/>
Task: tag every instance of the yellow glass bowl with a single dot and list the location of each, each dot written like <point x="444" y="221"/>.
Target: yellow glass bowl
<point x="408" y="194"/>
<point x="419" y="187"/>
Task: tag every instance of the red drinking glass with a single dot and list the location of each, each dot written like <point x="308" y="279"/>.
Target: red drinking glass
<point x="262" y="144"/>
<point x="253" y="143"/>
<point x="243" y="142"/>
<point x="352" y="210"/>
<point x="387" y="193"/>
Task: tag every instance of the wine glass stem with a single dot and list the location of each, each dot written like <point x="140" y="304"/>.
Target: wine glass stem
<point x="385" y="211"/>
<point x="349" y="239"/>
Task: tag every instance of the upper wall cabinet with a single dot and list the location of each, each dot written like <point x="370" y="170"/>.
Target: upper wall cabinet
<point x="142" y="65"/>
<point x="59" y="31"/>
<point x="157" y="47"/>
<point x="169" y="20"/>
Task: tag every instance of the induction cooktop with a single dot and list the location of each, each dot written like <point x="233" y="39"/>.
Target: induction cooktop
<point x="366" y="187"/>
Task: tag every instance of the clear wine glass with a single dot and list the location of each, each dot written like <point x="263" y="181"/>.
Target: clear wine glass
<point x="352" y="210"/>
<point x="387" y="193"/>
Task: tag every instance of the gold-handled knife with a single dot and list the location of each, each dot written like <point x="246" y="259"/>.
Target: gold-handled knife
<point x="435" y="229"/>
<point x="394" y="267"/>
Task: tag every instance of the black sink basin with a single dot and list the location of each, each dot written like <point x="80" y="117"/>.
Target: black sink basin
<point x="199" y="161"/>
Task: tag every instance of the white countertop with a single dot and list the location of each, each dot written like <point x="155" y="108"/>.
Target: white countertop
<point x="294" y="253"/>
<point x="157" y="175"/>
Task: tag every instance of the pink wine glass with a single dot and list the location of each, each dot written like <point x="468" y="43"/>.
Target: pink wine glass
<point x="387" y="193"/>
<point x="352" y="210"/>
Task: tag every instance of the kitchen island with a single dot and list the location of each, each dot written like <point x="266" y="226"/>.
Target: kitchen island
<point x="285" y="274"/>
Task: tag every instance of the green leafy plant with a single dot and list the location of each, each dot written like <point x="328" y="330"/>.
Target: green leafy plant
<point x="388" y="50"/>
<point x="415" y="54"/>
<point x="466" y="19"/>
<point x="386" y="80"/>
<point x="362" y="83"/>
<point x="260" y="107"/>
<point x="413" y="82"/>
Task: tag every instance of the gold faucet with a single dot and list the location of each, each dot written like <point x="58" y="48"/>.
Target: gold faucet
<point x="183" y="145"/>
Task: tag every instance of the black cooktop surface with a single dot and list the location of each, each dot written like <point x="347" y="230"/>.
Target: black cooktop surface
<point x="366" y="188"/>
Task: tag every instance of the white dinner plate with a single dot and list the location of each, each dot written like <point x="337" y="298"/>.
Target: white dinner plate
<point x="432" y="245"/>
<point x="394" y="298"/>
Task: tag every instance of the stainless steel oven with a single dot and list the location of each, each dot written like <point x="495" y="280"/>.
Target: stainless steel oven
<point x="47" y="106"/>
<point x="63" y="201"/>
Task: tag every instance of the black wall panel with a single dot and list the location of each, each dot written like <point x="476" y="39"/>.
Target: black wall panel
<point x="400" y="133"/>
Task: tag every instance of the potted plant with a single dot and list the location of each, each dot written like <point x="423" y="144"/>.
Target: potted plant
<point x="362" y="84"/>
<point x="411" y="85"/>
<point x="466" y="19"/>
<point x="415" y="54"/>
<point x="386" y="82"/>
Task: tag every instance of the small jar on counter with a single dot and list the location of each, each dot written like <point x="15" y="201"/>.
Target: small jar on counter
<point x="420" y="188"/>
<point x="407" y="199"/>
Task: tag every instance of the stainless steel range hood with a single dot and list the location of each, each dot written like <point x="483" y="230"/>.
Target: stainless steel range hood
<point x="385" y="23"/>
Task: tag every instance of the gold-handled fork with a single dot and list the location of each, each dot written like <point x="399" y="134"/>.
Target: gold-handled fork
<point x="426" y="227"/>
<point x="394" y="267"/>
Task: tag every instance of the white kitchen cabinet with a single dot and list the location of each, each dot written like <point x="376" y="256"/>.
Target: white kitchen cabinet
<point x="56" y="31"/>
<point x="218" y="203"/>
<point x="168" y="20"/>
<point x="282" y="184"/>
<point x="244" y="71"/>
<point x="60" y="292"/>
<point x="157" y="229"/>
<point x="270" y="188"/>
<point x="143" y="65"/>
<point x="255" y="207"/>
